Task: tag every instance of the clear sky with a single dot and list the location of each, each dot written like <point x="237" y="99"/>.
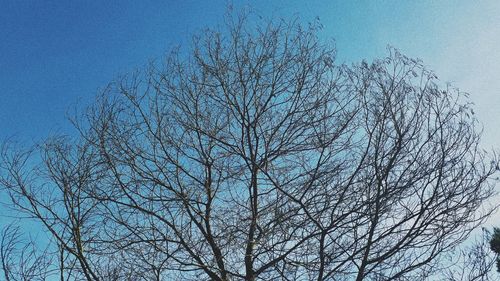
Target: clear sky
<point x="55" y="54"/>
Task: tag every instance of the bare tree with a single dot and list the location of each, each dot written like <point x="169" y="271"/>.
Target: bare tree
<point x="258" y="158"/>
<point x="20" y="259"/>
<point x="474" y="262"/>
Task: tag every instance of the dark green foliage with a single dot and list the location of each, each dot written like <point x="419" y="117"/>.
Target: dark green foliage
<point x="495" y="241"/>
<point x="495" y="245"/>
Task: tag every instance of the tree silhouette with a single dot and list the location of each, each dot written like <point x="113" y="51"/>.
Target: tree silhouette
<point x="257" y="157"/>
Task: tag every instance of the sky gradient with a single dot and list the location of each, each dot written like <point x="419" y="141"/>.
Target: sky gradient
<point x="58" y="54"/>
<point x="55" y="55"/>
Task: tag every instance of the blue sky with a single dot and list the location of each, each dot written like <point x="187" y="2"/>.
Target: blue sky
<point x="57" y="54"/>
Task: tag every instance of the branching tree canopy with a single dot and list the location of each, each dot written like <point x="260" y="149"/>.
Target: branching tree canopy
<point x="257" y="157"/>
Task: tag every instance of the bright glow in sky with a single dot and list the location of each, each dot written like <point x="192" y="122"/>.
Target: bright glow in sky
<point x="55" y="54"/>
